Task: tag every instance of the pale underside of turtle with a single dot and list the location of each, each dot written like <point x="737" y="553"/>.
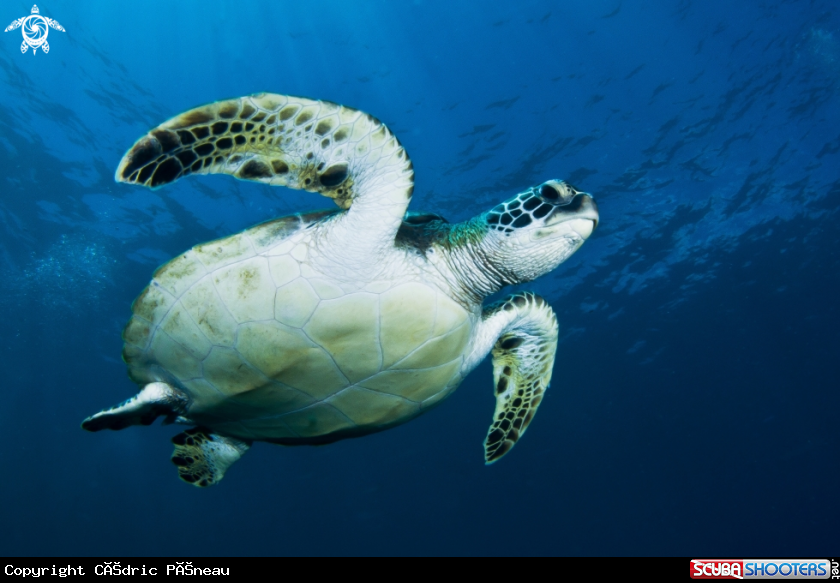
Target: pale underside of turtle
<point x="315" y="327"/>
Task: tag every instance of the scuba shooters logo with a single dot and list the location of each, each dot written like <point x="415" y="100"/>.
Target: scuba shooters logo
<point x="789" y="569"/>
<point x="35" y="29"/>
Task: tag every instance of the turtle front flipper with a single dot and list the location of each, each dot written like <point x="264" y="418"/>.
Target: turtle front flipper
<point x="523" y="329"/>
<point x="154" y="400"/>
<point x="203" y="457"/>
<point x="15" y="25"/>
<point x="339" y="152"/>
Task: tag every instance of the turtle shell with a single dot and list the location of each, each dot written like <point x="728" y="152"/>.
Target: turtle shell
<point x="269" y="349"/>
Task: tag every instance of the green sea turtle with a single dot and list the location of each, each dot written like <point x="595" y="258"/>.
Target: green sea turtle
<point x="320" y="326"/>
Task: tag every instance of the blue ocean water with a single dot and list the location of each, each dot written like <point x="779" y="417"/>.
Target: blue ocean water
<point x="694" y="404"/>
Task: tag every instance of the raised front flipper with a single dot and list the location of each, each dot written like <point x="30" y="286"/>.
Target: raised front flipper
<point x="525" y="329"/>
<point x="203" y="457"/>
<point x="154" y="400"/>
<point x="319" y="146"/>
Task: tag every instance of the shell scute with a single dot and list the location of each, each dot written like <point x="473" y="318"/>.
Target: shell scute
<point x="205" y="397"/>
<point x="180" y="273"/>
<point x="228" y="372"/>
<point x="207" y="310"/>
<point x="180" y="327"/>
<point x="173" y="357"/>
<point x="407" y="319"/>
<point x="223" y="252"/>
<point x="287" y="356"/>
<point x="263" y="343"/>
<point x="283" y="269"/>
<point x="365" y="407"/>
<point x="319" y="419"/>
<point x="348" y="329"/>
<point x="137" y="333"/>
<point x="152" y="305"/>
<point x="246" y="289"/>
<point x="325" y="289"/>
<point x="272" y="400"/>
<point x="448" y="316"/>
<point x="295" y="302"/>
<point x="415" y="384"/>
<point x="450" y="343"/>
<point x="312" y="371"/>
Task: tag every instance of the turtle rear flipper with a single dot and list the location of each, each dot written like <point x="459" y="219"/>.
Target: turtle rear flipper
<point x="154" y="400"/>
<point x="203" y="457"/>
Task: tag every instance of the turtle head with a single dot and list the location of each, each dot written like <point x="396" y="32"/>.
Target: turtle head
<point x="537" y="230"/>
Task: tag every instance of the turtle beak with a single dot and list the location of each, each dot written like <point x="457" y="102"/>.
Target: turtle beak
<point x="579" y="206"/>
<point x="568" y="202"/>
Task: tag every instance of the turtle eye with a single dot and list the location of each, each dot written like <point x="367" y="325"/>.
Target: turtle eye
<point x="549" y="194"/>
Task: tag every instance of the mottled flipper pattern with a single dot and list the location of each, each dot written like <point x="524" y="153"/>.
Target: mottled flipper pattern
<point x="523" y="359"/>
<point x="154" y="400"/>
<point x="203" y="457"/>
<point x="276" y="139"/>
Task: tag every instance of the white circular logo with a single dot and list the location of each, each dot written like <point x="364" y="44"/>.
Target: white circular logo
<point x="35" y="29"/>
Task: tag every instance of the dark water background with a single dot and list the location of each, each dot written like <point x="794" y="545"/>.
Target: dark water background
<point x="694" y="408"/>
